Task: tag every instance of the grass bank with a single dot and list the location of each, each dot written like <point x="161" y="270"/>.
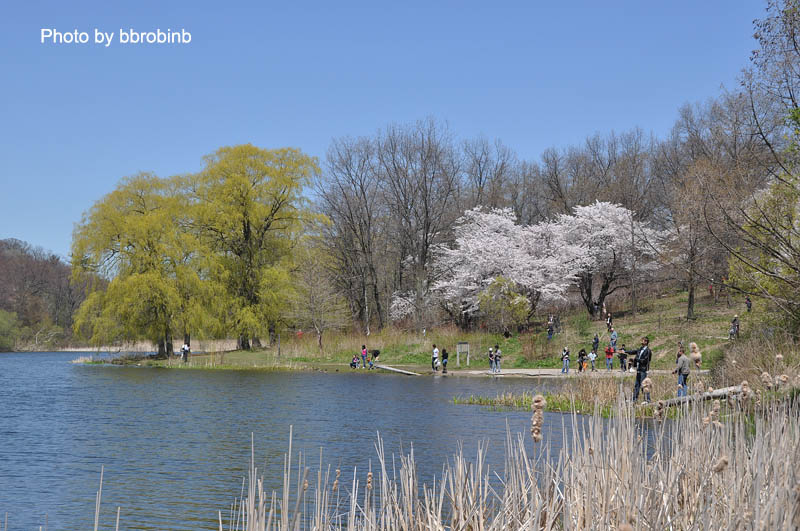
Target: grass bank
<point x="662" y="319"/>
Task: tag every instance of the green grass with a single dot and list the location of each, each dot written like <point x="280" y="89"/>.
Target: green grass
<point x="661" y="318"/>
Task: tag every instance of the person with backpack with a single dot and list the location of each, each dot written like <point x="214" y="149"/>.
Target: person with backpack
<point x="642" y="363"/>
<point x="498" y="355"/>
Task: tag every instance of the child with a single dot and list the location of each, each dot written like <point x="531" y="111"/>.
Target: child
<point x="581" y="359"/>
<point x="592" y="358"/>
<point x="354" y="362"/>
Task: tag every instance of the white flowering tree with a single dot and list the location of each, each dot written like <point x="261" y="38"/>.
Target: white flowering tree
<point x="536" y="260"/>
<point x="617" y="248"/>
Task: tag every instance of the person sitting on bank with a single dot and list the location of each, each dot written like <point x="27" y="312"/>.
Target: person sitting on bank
<point x="445" y="355"/>
<point x="354" y="362"/>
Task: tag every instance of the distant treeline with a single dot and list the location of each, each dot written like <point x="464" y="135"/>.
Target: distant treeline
<point x="37" y="297"/>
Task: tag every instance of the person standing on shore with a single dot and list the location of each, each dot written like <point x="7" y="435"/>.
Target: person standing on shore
<point x="435" y="359"/>
<point x="498" y="355"/>
<point x="642" y="363"/>
<point x="363" y="356"/>
<point x="609" y="357"/>
<point x="592" y="359"/>
<point x="491" y="360"/>
<point x="623" y="358"/>
<point x="565" y="361"/>
<point x="682" y="370"/>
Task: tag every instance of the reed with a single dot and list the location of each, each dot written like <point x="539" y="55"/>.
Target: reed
<point x="685" y="474"/>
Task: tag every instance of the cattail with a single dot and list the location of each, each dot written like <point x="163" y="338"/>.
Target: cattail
<point x="714" y="414"/>
<point x="720" y="465"/>
<point x="369" y="481"/>
<point x="537" y="420"/>
<point x="647" y="384"/>
<point x="659" y="412"/>
<point x="766" y="379"/>
<point x="779" y="358"/>
<point x="591" y="451"/>
<point x="710" y="389"/>
<point x="717" y="424"/>
<point x="305" y="485"/>
<point x="335" y="485"/>
<point x="694" y="354"/>
<point x="782" y="380"/>
<point x="706" y="421"/>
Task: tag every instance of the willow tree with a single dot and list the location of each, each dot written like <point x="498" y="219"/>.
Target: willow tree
<point x="136" y="237"/>
<point x="248" y="208"/>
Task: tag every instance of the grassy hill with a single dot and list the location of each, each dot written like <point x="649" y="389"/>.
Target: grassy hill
<point x="662" y="319"/>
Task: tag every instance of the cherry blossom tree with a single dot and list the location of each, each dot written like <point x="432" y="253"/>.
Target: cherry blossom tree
<point x="617" y="248"/>
<point x="537" y="260"/>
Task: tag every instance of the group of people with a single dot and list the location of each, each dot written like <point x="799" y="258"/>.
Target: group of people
<point x="435" y="363"/>
<point x="640" y="360"/>
<point x="495" y="357"/>
<point x="368" y="358"/>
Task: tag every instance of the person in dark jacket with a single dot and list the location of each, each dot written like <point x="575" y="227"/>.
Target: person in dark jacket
<point x="642" y="364"/>
<point x="595" y="343"/>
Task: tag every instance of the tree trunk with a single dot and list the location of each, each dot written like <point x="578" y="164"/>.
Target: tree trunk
<point x="690" y="304"/>
<point x="243" y="343"/>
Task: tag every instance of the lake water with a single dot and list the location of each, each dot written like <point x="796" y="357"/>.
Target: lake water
<point x="175" y="444"/>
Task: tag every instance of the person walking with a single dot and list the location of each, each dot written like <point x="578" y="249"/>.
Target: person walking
<point x="609" y="357"/>
<point x="498" y="355"/>
<point x="592" y="359"/>
<point x="642" y="363"/>
<point x="444" y="360"/>
<point x="435" y="359"/>
<point x="364" y="356"/>
<point x="565" y="361"/>
<point x="682" y="370"/>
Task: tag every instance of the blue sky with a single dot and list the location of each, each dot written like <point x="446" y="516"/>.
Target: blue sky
<point x="74" y="119"/>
